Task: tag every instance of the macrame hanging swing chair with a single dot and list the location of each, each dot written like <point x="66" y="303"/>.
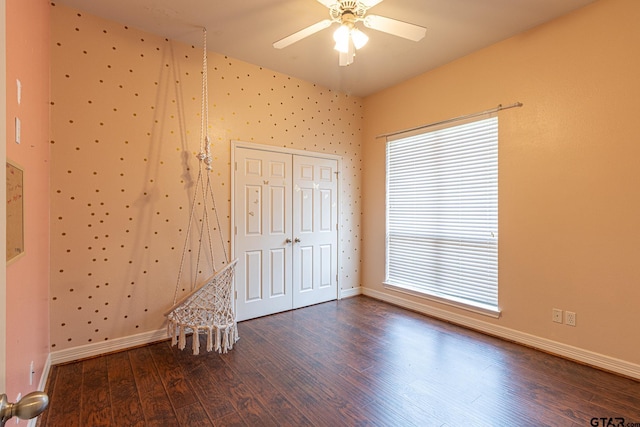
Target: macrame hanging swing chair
<point x="208" y="307"/>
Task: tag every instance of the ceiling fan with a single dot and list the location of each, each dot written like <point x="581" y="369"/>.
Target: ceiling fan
<point x="348" y="37"/>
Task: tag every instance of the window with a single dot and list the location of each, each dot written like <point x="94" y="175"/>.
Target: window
<point x="442" y="215"/>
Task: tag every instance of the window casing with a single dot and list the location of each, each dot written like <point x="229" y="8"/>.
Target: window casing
<point x="442" y="215"/>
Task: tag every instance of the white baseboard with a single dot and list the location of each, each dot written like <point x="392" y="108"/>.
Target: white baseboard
<point x="117" y="344"/>
<point x="45" y="373"/>
<point x="348" y="293"/>
<point x="590" y="358"/>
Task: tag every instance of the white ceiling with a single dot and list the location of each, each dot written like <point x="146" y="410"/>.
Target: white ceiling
<point x="246" y="29"/>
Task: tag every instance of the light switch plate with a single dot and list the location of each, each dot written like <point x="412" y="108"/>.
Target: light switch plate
<point x="18" y="125"/>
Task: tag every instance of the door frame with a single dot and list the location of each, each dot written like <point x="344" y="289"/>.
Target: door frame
<point x="262" y="147"/>
<point x="3" y="188"/>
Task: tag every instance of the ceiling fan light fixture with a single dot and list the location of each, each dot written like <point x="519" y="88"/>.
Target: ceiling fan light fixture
<point x="341" y="37"/>
<point x="359" y="38"/>
<point x="345" y="35"/>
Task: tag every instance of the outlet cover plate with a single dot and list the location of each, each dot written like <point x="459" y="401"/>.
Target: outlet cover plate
<point x="570" y="318"/>
<point x="556" y="315"/>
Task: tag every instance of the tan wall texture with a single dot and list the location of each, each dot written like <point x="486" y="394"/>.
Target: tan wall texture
<point x="125" y="112"/>
<point x="568" y="171"/>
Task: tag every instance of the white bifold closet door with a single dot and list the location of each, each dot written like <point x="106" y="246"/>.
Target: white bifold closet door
<point x="286" y="217"/>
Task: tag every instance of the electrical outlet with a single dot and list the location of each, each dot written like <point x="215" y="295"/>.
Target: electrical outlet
<point x="570" y="319"/>
<point x="556" y="315"/>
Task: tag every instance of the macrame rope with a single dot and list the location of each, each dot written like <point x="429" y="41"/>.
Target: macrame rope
<point x="207" y="309"/>
<point x="208" y="159"/>
<point x="215" y="211"/>
<point x="207" y="189"/>
<point x="204" y="156"/>
<point x="204" y="106"/>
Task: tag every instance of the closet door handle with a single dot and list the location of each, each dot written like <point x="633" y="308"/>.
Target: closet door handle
<point x="288" y="240"/>
<point x="296" y="240"/>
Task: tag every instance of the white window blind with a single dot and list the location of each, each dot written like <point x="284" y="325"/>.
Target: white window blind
<point x="442" y="214"/>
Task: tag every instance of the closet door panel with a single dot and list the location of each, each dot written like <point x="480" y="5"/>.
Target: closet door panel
<point x="315" y="235"/>
<point x="262" y="218"/>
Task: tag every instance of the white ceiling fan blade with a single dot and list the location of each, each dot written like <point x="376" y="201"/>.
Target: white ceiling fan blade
<point x="395" y="27"/>
<point x="369" y="3"/>
<point x="329" y="3"/>
<point x="305" y="32"/>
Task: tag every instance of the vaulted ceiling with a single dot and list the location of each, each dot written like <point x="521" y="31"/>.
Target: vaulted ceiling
<point x="246" y="30"/>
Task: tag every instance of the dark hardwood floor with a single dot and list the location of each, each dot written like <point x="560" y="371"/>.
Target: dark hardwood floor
<point x="353" y="362"/>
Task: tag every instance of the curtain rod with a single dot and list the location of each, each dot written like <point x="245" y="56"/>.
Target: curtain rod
<point x="455" y="119"/>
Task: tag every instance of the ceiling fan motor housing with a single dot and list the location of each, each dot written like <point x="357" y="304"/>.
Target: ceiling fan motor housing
<point x="348" y="11"/>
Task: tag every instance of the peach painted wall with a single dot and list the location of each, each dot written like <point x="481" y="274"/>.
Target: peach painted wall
<point x="28" y="277"/>
<point x="125" y="130"/>
<point x="569" y="172"/>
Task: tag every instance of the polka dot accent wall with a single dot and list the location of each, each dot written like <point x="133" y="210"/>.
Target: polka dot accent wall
<point x="125" y="128"/>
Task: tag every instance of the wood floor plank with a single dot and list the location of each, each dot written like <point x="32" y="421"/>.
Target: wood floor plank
<point x="352" y="362"/>
<point x="193" y="415"/>
<point x="126" y="405"/>
<point x="67" y="393"/>
<point x="240" y="396"/>
<point x="215" y="402"/>
<point x="172" y="375"/>
<point x="275" y="402"/>
<point x="231" y="420"/>
<point x="96" y="399"/>
<point x="153" y="397"/>
<point x="386" y="412"/>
